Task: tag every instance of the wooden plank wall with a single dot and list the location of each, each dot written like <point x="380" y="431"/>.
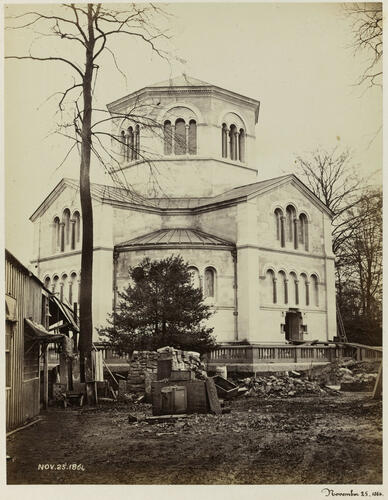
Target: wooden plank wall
<point x="22" y="398"/>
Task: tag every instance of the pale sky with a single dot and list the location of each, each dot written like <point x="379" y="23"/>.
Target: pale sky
<point x="295" y="59"/>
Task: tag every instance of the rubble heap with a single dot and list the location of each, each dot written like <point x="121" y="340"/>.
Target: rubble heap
<point x="283" y="386"/>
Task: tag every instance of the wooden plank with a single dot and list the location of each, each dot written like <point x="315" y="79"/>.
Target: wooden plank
<point x="45" y="375"/>
<point x="211" y="390"/>
<point x="377" y="391"/>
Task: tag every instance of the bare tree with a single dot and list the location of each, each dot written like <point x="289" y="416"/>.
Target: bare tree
<point x="367" y="26"/>
<point x="361" y="253"/>
<point x="332" y="177"/>
<point x="90" y="30"/>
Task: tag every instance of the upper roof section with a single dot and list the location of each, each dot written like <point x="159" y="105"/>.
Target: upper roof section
<point x="184" y="83"/>
<point x="176" y="236"/>
<point x="127" y="198"/>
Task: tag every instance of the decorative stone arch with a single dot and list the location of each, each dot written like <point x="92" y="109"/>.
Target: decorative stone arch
<point x="269" y="267"/>
<point x="306" y="213"/>
<point x="311" y="273"/>
<point x="164" y="113"/>
<point x="241" y="121"/>
<point x="47" y="278"/>
<point x="277" y="206"/>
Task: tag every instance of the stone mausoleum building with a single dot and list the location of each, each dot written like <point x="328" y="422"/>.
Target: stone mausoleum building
<point x="259" y="249"/>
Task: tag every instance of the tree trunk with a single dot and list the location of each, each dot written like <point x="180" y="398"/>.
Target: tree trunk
<point x="86" y="320"/>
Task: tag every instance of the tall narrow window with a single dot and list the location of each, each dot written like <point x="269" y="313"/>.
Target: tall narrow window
<point x="137" y="143"/>
<point x="131" y="146"/>
<point x="56" y="235"/>
<point x="271" y="295"/>
<point x="315" y="290"/>
<point x="233" y="142"/>
<point x="241" y="145"/>
<point x="63" y="288"/>
<point x="123" y="144"/>
<point x="303" y="231"/>
<point x="73" y="289"/>
<point x="209" y="282"/>
<point x="304" y="290"/>
<point x="66" y="221"/>
<point x="167" y="138"/>
<point x="75" y="230"/>
<point x="224" y="141"/>
<point x="195" y="277"/>
<point x="55" y="284"/>
<point x="278" y="223"/>
<point x="292" y="289"/>
<point x="282" y="294"/>
<point x="290" y="216"/>
<point x="180" y="137"/>
<point x="47" y="282"/>
<point x="192" y="137"/>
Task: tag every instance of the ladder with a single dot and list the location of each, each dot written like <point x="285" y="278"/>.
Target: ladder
<point x="340" y="327"/>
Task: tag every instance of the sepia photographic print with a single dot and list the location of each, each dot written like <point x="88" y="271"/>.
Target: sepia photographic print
<point x="193" y="248"/>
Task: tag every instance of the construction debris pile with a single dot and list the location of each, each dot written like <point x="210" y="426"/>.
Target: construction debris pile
<point x="284" y="386"/>
<point x="146" y="367"/>
<point x="349" y="375"/>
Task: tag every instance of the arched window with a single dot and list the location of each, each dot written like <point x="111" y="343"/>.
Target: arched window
<point x="282" y="288"/>
<point x="304" y="290"/>
<point x="279" y="226"/>
<point x="192" y="146"/>
<point x="271" y="293"/>
<point x="56" y="235"/>
<point x="290" y="225"/>
<point x="195" y="280"/>
<point x="315" y="290"/>
<point x="63" y="288"/>
<point x="292" y="290"/>
<point x="233" y="142"/>
<point x="209" y="284"/>
<point x="75" y="230"/>
<point x="55" y="284"/>
<point x="73" y="292"/>
<point x="66" y="229"/>
<point x="241" y="145"/>
<point x="130" y="144"/>
<point x="303" y="231"/>
<point x="224" y="141"/>
<point x="167" y="138"/>
<point x="47" y="281"/>
<point x="180" y="137"/>
<point x="123" y="144"/>
<point x="136" y="155"/>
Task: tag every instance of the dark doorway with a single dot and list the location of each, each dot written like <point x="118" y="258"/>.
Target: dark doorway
<point x="293" y="325"/>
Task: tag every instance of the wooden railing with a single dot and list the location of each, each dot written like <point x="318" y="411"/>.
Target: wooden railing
<point x="232" y="354"/>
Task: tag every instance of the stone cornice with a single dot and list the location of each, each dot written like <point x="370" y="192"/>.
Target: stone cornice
<point x="116" y="106"/>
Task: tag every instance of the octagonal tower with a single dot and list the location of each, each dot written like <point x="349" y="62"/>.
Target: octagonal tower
<point x="185" y="138"/>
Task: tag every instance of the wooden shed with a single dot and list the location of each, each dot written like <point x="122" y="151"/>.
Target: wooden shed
<point x="27" y="338"/>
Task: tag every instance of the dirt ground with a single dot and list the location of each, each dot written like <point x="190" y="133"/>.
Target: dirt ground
<point x="309" y="440"/>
